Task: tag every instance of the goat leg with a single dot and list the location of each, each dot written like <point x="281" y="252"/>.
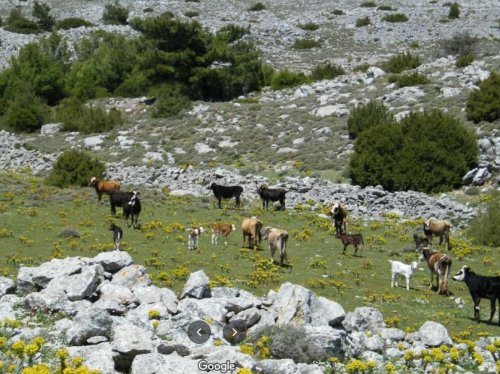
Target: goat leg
<point x="492" y="309"/>
<point x="477" y="300"/>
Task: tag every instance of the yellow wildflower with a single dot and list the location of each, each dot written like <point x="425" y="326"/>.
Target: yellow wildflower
<point x="478" y="358"/>
<point x="62" y="353"/>
<point x="247" y="349"/>
<point x="31" y="349"/>
<point x="77" y="361"/>
<point x="455" y="354"/>
<point x="492" y="348"/>
<point x="243" y="371"/>
<point x="37" y="369"/>
<point x="18" y="348"/>
<point x="390" y="368"/>
<point x="39" y="341"/>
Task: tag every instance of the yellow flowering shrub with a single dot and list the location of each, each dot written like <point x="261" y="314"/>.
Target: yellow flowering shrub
<point x="247" y="349"/>
<point x="390" y="368"/>
<point x="153" y="314"/>
<point x="243" y="371"/>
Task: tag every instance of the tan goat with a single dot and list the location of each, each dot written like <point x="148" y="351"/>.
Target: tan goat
<point x="434" y="227"/>
<point x="250" y="227"/>
<point x="277" y="239"/>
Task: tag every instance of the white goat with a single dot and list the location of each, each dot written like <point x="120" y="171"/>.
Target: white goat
<point x="405" y="270"/>
<point x="193" y="234"/>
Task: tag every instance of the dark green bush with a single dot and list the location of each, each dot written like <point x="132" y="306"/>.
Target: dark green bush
<point x="115" y="14"/>
<point x="404" y="80"/>
<point x="368" y="4"/>
<point x="402" y="62"/>
<point x="25" y="114"/>
<point x="286" y="78"/>
<point x="42" y="13"/>
<point x="17" y="23"/>
<point x="326" y="70"/>
<point x="72" y="23"/>
<point x="384" y="7"/>
<point x="460" y="44"/>
<point x="454" y="12"/>
<point x="76" y="116"/>
<point x="230" y="33"/>
<point x="207" y="67"/>
<point x="170" y="102"/>
<point x="291" y="342"/>
<point x="38" y="69"/>
<point x="148" y="10"/>
<point x="338" y="12"/>
<point x="257" y="7"/>
<point x="484" y="227"/>
<point x="428" y="152"/>
<point x="395" y="17"/>
<point x="134" y="85"/>
<point x="361" y="22"/>
<point x="365" y="116"/>
<point x="464" y="61"/>
<point x="484" y="104"/>
<point x="191" y="13"/>
<point x="74" y="168"/>
<point x="306" y="44"/>
<point x="310" y="26"/>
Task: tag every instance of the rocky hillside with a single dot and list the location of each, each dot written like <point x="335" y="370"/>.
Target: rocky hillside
<point x="283" y="132"/>
<point x="106" y="310"/>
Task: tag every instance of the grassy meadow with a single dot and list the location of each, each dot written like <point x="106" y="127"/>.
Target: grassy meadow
<point x="32" y="216"/>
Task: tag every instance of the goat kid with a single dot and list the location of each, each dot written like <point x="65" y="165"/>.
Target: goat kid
<point x="399" y="268"/>
<point x="223" y="229"/>
<point x="193" y="235"/>
<point x="355" y="239"/>
<point x="117" y="235"/>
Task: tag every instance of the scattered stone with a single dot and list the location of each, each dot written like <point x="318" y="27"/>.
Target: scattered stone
<point x="196" y="286"/>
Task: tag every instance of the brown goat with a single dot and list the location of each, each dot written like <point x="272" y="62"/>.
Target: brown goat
<point x="223" y="229"/>
<point x="250" y="227"/>
<point x="103" y="187"/>
<point x="355" y="239"/>
<point x="439" y="264"/>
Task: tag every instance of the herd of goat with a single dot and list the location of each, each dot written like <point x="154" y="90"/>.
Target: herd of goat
<point x="439" y="263"/>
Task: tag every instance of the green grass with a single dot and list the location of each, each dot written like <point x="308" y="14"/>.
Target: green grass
<point x="32" y="215"/>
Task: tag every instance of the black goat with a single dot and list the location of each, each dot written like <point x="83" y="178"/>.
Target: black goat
<point x="132" y="209"/>
<point x="480" y="287"/>
<point x="118" y="198"/>
<point x="269" y="194"/>
<point x="226" y="192"/>
<point x="354" y="239"/>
